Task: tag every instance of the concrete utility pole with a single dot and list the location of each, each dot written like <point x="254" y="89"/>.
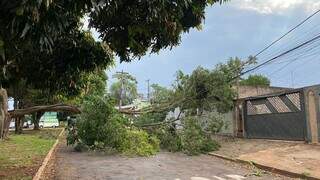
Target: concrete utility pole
<point x="148" y="84"/>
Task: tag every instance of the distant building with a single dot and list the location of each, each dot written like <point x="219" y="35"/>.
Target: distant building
<point x="234" y="119"/>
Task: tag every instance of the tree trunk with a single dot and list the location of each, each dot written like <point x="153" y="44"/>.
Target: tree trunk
<point x="4" y="115"/>
<point x="36" y="120"/>
<point x="21" y="124"/>
<point x="16" y="125"/>
<point x="17" y="120"/>
<point x="45" y="108"/>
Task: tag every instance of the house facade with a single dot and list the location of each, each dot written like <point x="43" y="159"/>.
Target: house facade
<point x="233" y="120"/>
<point x="292" y="114"/>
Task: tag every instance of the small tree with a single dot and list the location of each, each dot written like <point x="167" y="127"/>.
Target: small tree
<point x="256" y="80"/>
<point x="160" y="94"/>
<point x="124" y="90"/>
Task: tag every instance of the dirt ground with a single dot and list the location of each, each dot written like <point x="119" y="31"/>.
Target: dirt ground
<point x="295" y="157"/>
<point x="164" y="166"/>
<point x="300" y="159"/>
<point x="234" y="147"/>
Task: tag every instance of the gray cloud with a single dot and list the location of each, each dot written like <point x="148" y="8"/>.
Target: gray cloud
<point x="229" y="31"/>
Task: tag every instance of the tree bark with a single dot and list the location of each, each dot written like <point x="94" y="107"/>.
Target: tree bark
<point x="45" y="108"/>
<point x="17" y="120"/>
<point x="4" y="115"/>
<point x="16" y="125"/>
<point x="36" y="120"/>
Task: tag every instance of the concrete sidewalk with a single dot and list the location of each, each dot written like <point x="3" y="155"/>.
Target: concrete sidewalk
<point x="292" y="158"/>
<point x="299" y="159"/>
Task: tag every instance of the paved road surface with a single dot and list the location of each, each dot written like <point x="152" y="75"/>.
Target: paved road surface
<point x="164" y="166"/>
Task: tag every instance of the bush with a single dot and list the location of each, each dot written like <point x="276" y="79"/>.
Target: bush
<point x="100" y="124"/>
<point x="214" y="123"/>
<point x="101" y="128"/>
<point x="169" y="139"/>
<point x="191" y="139"/>
<point x="138" y="142"/>
<point x="149" y="118"/>
<point x="194" y="140"/>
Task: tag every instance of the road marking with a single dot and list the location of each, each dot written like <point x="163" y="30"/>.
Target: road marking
<point x="236" y="177"/>
<point x="199" y="178"/>
<point x="219" y="178"/>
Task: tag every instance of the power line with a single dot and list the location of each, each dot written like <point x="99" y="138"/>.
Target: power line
<point x="282" y="54"/>
<point x="278" y="56"/>
<point x="277" y="40"/>
<point x="295" y="27"/>
<point x="303" y="52"/>
<point x="295" y="40"/>
<point x="310" y="52"/>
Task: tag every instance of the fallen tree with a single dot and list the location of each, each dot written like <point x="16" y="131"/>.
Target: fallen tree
<point x="6" y="116"/>
<point x="44" y="108"/>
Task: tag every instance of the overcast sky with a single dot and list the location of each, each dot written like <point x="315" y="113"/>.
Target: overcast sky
<point x="240" y="28"/>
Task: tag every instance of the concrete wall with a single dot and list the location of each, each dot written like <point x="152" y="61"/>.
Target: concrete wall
<point x="227" y="128"/>
<point x="244" y="92"/>
<point x="231" y="121"/>
<point x="310" y="106"/>
<point x="312" y="113"/>
<point x="250" y="91"/>
<point x="228" y="125"/>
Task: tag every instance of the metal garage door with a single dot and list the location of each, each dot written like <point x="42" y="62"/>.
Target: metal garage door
<point x="275" y="117"/>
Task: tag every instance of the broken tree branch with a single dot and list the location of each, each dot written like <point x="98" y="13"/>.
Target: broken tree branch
<point x="162" y="122"/>
<point x="51" y="108"/>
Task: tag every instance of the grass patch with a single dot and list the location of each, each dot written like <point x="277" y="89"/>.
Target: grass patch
<point x="21" y="155"/>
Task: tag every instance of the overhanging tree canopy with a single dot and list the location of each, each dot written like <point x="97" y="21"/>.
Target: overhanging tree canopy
<point x="41" y="40"/>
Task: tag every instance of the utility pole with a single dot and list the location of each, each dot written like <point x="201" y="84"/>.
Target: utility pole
<point x="121" y="87"/>
<point x="148" y="84"/>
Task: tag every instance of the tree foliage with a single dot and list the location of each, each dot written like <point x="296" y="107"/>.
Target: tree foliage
<point x="63" y="70"/>
<point x="45" y="37"/>
<point x="42" y="41"/>
<point x="99" y="123"/>
<point x="124" y="89"/>
<point x="160" y="94"/>
<point x="131" y="27"/>
<point x="194" y="139"/>
<point x="128" y="27"/>
<point x="201" y="96"/>
<point x="205" y="90"/>
<point x="100" y="127"/>
<point x="255" y="80"/>
<point x="89" y="84"/>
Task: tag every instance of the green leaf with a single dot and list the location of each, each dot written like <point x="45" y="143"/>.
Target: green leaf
<point x="19" y="11"/>
<point x="2" y="54"/>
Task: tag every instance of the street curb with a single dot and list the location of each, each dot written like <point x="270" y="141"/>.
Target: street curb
<point x="47" y="159"/>
<point x="264" y="167"/>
